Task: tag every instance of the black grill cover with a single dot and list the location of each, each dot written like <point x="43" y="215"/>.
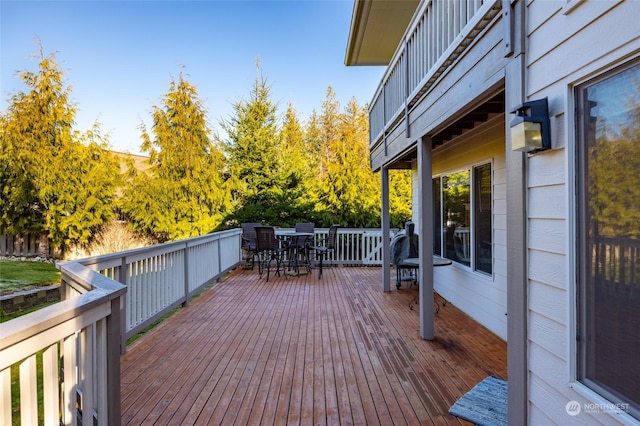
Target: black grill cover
<point x="404" y="244"/>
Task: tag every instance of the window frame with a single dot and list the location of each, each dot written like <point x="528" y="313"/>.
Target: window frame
<point x="582" y="247"/>
<point x="438" y="216"/>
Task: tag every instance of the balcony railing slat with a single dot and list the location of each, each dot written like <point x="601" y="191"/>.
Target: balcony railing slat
<point x="86" y="371"/>
<point x="70" y="379"/>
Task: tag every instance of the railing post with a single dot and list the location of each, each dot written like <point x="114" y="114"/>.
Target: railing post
<point x="114" y="349"/>
<point x="220" y="256"/>
<point x="123" y="278"/>
<point x="186" y="276"/>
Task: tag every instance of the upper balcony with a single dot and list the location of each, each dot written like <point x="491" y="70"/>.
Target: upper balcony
<point x="431" y="43"/>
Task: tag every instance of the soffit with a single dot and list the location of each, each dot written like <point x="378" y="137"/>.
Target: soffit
<point x="377" y="27"/>
<point x="477" y="116"/>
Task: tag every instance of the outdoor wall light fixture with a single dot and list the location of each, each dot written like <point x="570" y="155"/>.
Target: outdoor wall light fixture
<point x="530" y="127"/>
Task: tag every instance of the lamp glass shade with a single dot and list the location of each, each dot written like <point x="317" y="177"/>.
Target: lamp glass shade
<point x="526" y="136"/>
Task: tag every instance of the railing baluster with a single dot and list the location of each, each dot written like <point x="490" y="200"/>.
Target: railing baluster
<point x="51" y="398"/>
<point x="86" y="372"/>
<point x="28" y="391"/>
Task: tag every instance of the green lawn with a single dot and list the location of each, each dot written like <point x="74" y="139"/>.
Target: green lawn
<point x="19" y="275"/>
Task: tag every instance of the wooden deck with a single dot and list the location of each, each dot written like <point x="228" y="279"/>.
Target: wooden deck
<point x="305" y="351"/>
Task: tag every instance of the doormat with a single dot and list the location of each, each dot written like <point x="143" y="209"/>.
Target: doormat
<point x="485" y="404"/>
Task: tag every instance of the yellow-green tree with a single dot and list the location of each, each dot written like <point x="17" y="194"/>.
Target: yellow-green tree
<point x="399" y="197"/>
<point x="54" y="180"/>
<point x="614" y="181"/>
<point x="266" y="171"/>
<point x="348" y="191"/>
<point x="181" y="194"/>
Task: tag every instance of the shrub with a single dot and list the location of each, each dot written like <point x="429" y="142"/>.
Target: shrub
<point x="114" y="236"/>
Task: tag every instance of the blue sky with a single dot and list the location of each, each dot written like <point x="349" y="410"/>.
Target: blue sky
<point x="119" y="57"/>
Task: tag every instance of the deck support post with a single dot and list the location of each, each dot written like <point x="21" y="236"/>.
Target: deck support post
<point x="386" y="237"/>
<point x="517" y="276"/>
<point x="425" y="242"/>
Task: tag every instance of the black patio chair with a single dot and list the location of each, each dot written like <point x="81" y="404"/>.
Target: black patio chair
<point x="268" y="249"/>
<point x="322" y="252"/>
<point x="249" y="241"/>
<point x="303" y="244"/>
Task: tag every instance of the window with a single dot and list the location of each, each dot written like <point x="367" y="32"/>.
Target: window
<point x="462" y="217"/>
<point x="482" y="210"/>
<point x="608" y="235"/>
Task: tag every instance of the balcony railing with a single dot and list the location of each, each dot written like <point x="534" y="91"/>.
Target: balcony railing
<point x="439" y="33"/>
<point x="73" y="347"/>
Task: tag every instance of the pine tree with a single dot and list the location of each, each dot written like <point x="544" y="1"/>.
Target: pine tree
<point x="257" y="178"/>
<point x="348" y="189"/>
<point x="54" y="180"/>
<point x="297" y="167"/>
<point x="400" y="202"/>
<point x="181" y="194"/>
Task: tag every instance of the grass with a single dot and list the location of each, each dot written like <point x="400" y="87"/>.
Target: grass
<point x="20" y="275"/>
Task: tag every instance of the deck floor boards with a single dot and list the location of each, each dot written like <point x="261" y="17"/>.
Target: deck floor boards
<point x="302" y="351"/>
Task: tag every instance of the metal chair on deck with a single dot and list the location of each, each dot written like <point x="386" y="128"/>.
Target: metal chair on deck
<point x="249" y="241"/>
<point x="329" y="247"/>
<point x="303" y="244"/>
<point x="268" y="249"/>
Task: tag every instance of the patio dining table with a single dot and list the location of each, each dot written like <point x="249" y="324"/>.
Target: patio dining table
<point x="296" y="251"/>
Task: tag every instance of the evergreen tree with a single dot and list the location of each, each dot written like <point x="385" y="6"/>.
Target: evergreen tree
<point x="54" y="180"/>
<point x="614" y="181"/>
<point x="349" y="192"/>
<point x="181" y="194"/>
<point x="399" y="197"/>
<point x="257" y="178"/>
<point x="313" y="143"/>
<point x="297" y="167"/>
<point x="294" y="150"/>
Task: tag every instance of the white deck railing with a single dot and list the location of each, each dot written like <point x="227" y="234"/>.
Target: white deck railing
<point x="439" y="33"/>
<point x="73" y="347"/>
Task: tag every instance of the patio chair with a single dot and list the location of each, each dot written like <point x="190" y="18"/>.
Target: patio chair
<point x="268" y="249"/>
<point x="304" y="244"/>
<point x="322" y="252"/>
<point x="249" y="241"/>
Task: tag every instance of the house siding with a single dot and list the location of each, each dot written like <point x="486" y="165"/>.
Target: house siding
<point x="482" y="297"/>
<point x="588" y="39"/>
<point x="563" y="43"/>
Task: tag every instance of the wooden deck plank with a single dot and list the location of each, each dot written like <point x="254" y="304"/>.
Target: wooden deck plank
<point x="245" y="360"/>
<point x="300" y="350"/>
<point x="363" y="394"/>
